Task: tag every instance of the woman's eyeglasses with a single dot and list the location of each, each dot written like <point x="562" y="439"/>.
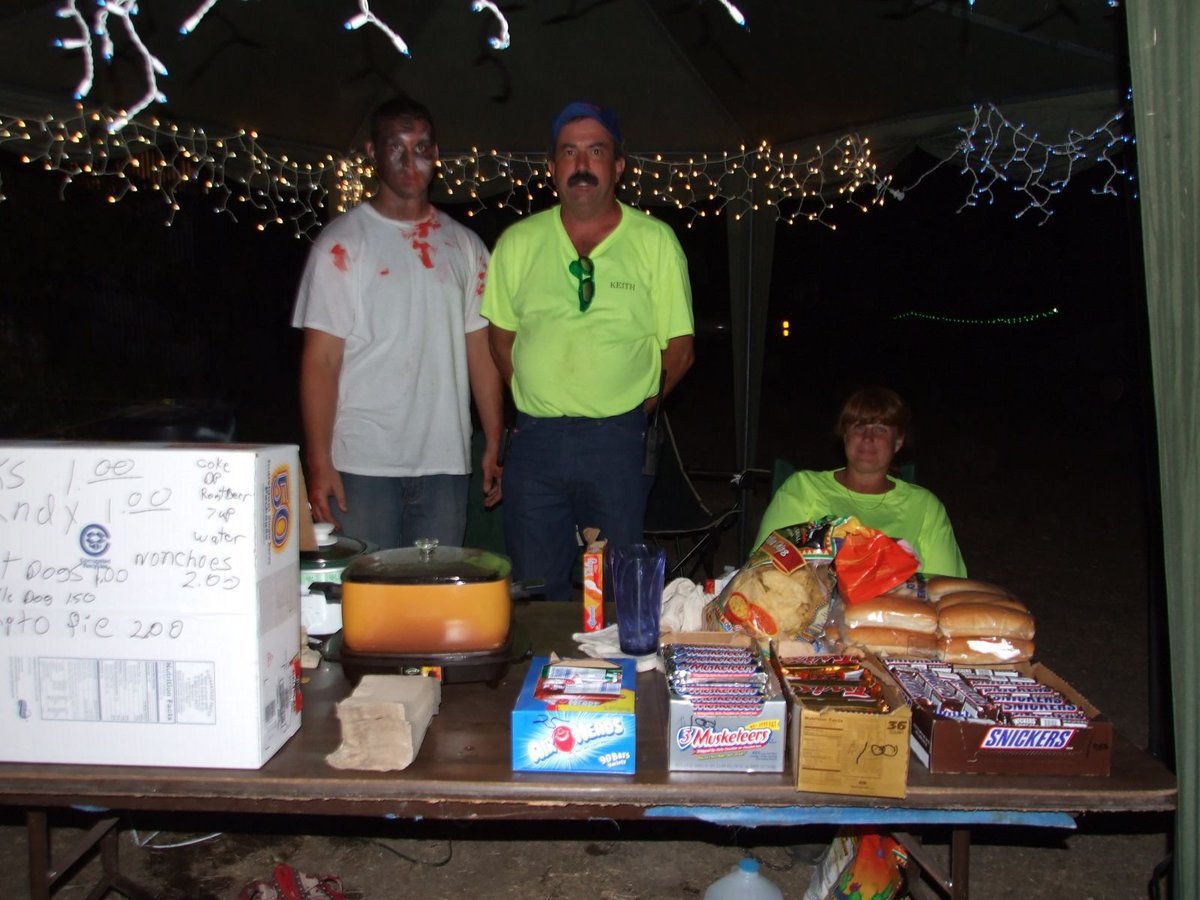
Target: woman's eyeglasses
<point x="875" y="429"/>
<point x="585" y="271"/>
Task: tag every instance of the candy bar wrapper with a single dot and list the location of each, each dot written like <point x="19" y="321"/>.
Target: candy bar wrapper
<point x="824" y="674"/>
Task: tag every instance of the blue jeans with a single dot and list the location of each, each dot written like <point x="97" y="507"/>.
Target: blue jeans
<point x="570" y="472"/>
<point x="394" y="512"/>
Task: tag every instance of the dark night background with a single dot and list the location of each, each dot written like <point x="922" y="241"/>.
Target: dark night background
<point x="105" y="307"/>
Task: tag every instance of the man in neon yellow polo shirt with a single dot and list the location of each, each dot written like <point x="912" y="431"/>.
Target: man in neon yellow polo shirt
<point x="589" y="305"/>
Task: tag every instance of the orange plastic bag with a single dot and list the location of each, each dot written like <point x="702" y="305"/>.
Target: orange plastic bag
<point x="858" y="865"/>
<point x="869" y="563"/>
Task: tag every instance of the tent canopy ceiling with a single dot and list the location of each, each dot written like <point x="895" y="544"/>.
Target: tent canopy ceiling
<point x="681" y="73"/>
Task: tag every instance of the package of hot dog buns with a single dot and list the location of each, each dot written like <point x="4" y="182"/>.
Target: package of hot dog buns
<point x="958" y="620"/>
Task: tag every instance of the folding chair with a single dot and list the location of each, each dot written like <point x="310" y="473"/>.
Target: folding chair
<point x="679" y="520"/>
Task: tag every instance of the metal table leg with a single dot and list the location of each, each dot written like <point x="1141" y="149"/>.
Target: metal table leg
<point x="953" y="883"/>
<point x="44" y="876"/>
<point x="960" y="860"/>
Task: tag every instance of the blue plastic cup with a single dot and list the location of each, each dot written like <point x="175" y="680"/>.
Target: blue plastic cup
<point x="637" y="572"/>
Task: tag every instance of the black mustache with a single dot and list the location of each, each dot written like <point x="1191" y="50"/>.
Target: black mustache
<point x="583" y="178"/>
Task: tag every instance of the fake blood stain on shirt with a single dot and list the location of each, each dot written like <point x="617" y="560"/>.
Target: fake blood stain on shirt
<point x="338" y="252"/>
<point x="420" y="242"/>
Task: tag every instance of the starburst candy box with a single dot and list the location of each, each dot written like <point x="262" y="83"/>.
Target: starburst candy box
<point x="576" y="715"/>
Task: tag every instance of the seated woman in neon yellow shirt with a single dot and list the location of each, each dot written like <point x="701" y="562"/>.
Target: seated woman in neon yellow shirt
<point x="872" y="425"/>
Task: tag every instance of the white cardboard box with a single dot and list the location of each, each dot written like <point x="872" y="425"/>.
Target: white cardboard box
<point x="149" y="603"/>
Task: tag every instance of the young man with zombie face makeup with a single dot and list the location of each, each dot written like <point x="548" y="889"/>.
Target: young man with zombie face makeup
<point x="394" y="347"/>
<point x="591" y="320"/>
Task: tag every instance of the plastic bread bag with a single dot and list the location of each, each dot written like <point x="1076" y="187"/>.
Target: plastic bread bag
<point x="784" y="589"/>
<point x="883" y="641"/>
<point x="988" y="619"/>
<point x="923" y="586"/>
<point x="984" y="650"/>
<point x="887" y="611"/>
<point x="858" y="864"/>
<point x="970" y="598"/>
<point x="887" y="625"/>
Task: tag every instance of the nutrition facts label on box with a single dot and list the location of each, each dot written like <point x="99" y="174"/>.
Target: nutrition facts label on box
<point x="119" y="690"/>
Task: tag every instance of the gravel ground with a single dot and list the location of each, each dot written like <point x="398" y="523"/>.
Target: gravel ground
<point x="388" y="860"/>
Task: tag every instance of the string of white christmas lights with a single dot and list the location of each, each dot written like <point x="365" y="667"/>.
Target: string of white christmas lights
<point x="734" y="13"/>
<point x="126" y="10"/>
<point x="234" y="171"/>
<point x="995" y="153"/>
<point x="190" y="23"/>
<point x="1014" y="319"/>
<point x="83" y="42"/>
<point x="240" y="174"/>
<point x="366" y="17"/>
<point x="503" y="40"/>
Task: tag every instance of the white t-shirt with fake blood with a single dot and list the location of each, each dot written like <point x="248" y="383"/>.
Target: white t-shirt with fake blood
<point x="402" y="295"/>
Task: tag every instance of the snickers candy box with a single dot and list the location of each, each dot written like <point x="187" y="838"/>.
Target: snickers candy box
<point x="1051" y="730"/>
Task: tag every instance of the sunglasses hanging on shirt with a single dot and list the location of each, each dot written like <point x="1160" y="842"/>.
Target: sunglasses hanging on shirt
<point x="585" y="271"/>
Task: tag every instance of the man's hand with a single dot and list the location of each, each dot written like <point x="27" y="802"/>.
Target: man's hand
<point x="488" y="390"/>
<point x="677" y="358"/>
<point x="320" y="369"/>
<point x="323" y="482"/>
<point x="492" y="473"/>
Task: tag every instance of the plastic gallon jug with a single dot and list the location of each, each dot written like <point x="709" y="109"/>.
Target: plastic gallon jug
<point x="743" y="883"/>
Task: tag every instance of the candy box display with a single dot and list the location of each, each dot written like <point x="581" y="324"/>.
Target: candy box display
<point x="1002" y="720"/>
<point x="849" y="723"/>
<point x="726" y="712"/>
<point x="576" y="715"/>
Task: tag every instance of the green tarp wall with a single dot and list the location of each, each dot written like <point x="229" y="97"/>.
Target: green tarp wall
<point x="1163" y="39"/>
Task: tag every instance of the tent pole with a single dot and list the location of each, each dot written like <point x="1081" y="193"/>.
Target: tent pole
<point x="751" y="249"/>
<point x="746" y="452"/>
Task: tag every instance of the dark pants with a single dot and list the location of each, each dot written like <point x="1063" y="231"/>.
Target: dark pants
<point x="395" y="511"/>
<point x="570" y="472"/>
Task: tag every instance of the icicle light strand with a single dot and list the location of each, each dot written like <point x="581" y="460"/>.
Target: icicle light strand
<point x="243" y="177"/>
<point x="996" y="153"/>
<point x="126" y="11"/>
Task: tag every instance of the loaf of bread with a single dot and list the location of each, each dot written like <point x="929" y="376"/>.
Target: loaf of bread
<point x="891" y="612"/>
<point x="937" y="586"/>
<point x="957" y="598"/>
<point x="890" y="641"/>
<point x="987" y="619"/>
<point x="983" y="651"/>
